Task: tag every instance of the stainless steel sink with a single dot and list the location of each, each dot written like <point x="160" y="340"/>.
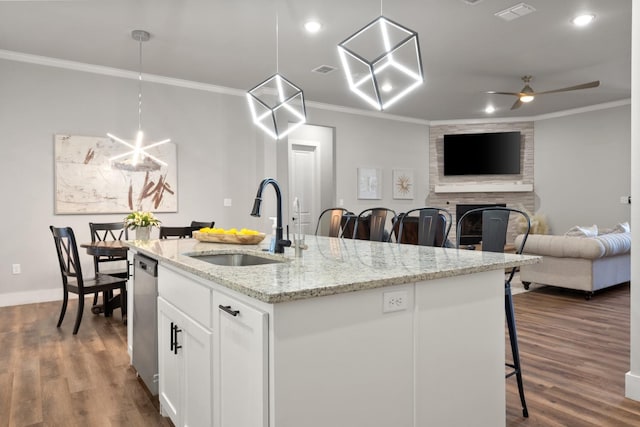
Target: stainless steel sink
<point x="236" y="260"/>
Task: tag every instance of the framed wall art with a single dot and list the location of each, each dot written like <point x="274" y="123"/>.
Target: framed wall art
<point x="403" y="184"/>
<point x="369" y="183"/>
<point x="97" y="175"/>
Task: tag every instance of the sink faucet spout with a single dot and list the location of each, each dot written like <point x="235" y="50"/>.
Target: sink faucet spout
<point x="280" y="241"/>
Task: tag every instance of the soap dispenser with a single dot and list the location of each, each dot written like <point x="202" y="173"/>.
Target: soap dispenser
<point x="272" y="243"/>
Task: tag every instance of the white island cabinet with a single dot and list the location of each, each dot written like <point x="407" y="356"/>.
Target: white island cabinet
<point x="212" y="355"/>
<point x="184" y="349"/>
<point x="353" y="334"/>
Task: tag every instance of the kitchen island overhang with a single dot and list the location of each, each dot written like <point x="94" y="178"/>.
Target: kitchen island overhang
<point x="329" y="266"/>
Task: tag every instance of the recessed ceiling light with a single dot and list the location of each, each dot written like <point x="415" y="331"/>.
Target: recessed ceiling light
<point x="312" y="26"/>
<point x="387" y="87"/>
<point x="582" y="20"/>
<point x="490" y="109"/>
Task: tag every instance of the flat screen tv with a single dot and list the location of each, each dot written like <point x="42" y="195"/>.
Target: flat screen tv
<point x="496" y="153"/>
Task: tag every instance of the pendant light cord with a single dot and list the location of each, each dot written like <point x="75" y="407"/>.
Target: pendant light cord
<point x="140" y="84"/>
<point x="277" y="42"/>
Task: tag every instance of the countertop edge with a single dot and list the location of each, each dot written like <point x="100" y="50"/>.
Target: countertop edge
<point x="285" y="296"/>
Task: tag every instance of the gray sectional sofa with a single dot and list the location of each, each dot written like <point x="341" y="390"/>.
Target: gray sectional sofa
<point x="578" y="262"/>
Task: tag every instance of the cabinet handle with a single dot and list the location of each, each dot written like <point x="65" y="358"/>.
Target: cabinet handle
<point x="175" y="339"/>
<point x="227" y="309"/>
<point x="172" y="342"/>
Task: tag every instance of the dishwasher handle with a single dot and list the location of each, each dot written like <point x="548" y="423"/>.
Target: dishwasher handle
<point x="146" y="265"/>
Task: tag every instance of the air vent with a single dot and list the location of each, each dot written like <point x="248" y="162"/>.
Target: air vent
<point x="514" y="12"/>
<point x="324" y="69"/>
<point x="472" y="2"/>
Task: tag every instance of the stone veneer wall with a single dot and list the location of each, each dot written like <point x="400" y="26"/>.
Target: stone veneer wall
<point x="449" y="201"/>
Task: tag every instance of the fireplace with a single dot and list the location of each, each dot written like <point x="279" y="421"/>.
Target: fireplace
<point x="471" y="232"/>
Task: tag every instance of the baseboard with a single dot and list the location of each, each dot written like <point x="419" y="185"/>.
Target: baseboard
<point x="632" y="386"/>
<point x="32" y="297"/>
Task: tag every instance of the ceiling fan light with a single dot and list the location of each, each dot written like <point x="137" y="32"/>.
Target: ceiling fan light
<point x="526" y="98"/>
<point x="582" y="20"/>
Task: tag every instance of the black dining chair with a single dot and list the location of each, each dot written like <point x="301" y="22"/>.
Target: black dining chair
<point x="179" y="232"/>
<point x="202" y="224"/>
<point x="109" y="231"/>
<point x="103" y="231"/>
<point x="336" y="225"/>
<point x="429" y="228"/>
<point x="73" y="280"/>
<point x="495" y="223"/>
<point x="375" y="219"/>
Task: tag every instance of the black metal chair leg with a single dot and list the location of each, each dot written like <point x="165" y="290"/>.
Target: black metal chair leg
<point x="513" y="338"/>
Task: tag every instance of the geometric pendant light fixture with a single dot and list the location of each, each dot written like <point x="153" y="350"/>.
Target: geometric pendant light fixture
<point x="138" y="151"/>
<point x="277" y="105"/>
<point x="382" y="62"/>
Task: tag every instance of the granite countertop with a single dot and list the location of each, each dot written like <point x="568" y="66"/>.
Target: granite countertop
<point x="329" y="265"/>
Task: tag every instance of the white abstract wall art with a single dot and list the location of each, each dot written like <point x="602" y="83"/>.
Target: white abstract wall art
<point x="88" y="182"/>
<point x="369" y="183"/>
<point x="403" y="184"/>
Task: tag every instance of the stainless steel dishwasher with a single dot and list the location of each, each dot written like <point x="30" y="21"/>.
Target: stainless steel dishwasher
<point x="145" y="320"/>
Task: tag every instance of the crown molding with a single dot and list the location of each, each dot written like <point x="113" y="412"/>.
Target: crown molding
<point x="117" y="72"/>
<point x="357" y="111"/>
<point x="596" y="107"/>
<point x="554" y="115"/>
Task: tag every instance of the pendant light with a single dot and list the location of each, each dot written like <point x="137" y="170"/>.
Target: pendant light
<point x="138" y="152"/>
<point x="276" y="104"/>
<point x="382" y="62"/>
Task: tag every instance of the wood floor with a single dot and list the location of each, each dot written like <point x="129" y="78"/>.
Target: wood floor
<point x="49" y="377"/>
<point x="574" y="354"/>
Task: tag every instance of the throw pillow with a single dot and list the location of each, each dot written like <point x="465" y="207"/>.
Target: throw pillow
<point x="583" y="231"/>
<point x="623" y="227"/>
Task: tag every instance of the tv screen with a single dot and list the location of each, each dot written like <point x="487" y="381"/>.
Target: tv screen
<point x="495" y="153"/>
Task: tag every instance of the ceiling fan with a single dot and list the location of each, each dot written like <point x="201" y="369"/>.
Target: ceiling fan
<point x="527" y="94"/>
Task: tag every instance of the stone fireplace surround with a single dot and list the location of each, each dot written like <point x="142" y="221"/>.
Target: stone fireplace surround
<point x="515" y="191"/>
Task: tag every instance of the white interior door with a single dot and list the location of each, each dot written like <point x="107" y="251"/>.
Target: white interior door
<point x="304" y="184"/>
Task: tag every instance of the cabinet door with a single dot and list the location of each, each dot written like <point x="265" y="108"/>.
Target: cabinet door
<point x="169" y="363"/>
<point x="243" y="356"/>
<point x="196" y="343"/>
<point x="185" y="371"/>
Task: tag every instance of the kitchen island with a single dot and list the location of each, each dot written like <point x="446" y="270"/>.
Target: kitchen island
<point x="354" y="333"/>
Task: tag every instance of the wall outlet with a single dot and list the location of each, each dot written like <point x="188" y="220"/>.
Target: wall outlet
<point x="394" y="301"/>
<point x="226" y="203"/>
<point x="340" y="203"/>
<point x="15" y="268"/>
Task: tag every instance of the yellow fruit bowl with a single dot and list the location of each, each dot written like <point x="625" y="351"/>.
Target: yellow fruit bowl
<point x="236" y="239"/>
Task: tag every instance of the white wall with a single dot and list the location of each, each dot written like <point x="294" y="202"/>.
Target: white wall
<point x="582" y="168"/>
<point x="363" y="141"/>
<point x="220" y="155"/>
